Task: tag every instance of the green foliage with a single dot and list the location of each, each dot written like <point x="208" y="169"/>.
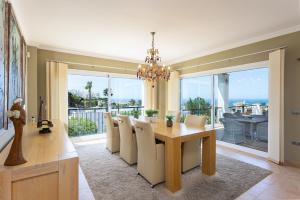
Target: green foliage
<point x="105" y="92"/>
<point x="198" y="106"/>
<point x="151" y="112"/>
<point x="81" y="126"/>
<point x="170" y="117"/>
<point x="135" y="113"/>
<point x="132" y="102"/>
<point x="88" y="87"/>
<point x="75" y="100"/>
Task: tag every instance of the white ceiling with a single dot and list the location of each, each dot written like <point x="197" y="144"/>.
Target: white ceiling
<point x="120" y="29"/>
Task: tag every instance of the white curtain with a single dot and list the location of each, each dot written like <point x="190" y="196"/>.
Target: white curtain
<point x="276" y="106"/>
<point x="173" y="92"/>
<point x="150" y="95"/>
<point x="57" y="91"/>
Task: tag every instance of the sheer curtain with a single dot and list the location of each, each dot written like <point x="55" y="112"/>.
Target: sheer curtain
<point x="57" y="91"/>
<point x="276" y="106"/>
<point x="174" y="92"/>
<point x="150" y="95"/>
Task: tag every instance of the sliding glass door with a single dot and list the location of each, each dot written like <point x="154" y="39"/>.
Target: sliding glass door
<point x="196" y="96"/>
<point x="90" y="96"/>
<point x="239" y="109"/>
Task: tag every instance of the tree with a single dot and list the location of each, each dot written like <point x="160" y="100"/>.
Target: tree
<point x="88" y="87"/>
<point x="132" y="102"/>
<point x="75" y="100"/>
<point x="198" y="106"/>
<point x="105" y="92"/>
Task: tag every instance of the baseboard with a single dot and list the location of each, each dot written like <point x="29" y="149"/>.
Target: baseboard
<point x="292" y="163"/>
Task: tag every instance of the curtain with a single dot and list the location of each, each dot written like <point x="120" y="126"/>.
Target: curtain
<point x="150" y="95"/>
<point x="173" y="98"/>
<point x="276" y="106"/>
<point x="57" y="91"/>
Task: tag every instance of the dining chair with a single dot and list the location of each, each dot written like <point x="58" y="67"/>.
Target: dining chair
<point x="151" y="156"/>
<point x="191" y="151"/>
<point x="128" y="146"/>
<point x="174" y="113"/>
<point x="112" y="134"/>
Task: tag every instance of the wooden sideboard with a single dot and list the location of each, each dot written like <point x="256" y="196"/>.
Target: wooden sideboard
<point x="51" y="171"/>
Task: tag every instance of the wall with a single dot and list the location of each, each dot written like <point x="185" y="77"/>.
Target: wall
<point x="292" y="79"/>
<point x="95" y="63"/>
<point x="32" y="83"/>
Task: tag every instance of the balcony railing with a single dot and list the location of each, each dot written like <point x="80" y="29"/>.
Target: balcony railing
<point x="84" y="121"/>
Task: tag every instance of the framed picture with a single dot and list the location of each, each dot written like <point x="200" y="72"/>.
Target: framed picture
<point x="15" y="62"/>
<point x="2" y="63"/>
<point x="12" y="68"/>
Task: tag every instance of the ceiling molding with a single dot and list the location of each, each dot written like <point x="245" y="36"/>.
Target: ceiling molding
<point x="81" y="53"/>
<point x="238" y="44"/>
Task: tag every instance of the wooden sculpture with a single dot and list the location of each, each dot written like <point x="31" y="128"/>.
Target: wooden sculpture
<point x="18" y="116"/>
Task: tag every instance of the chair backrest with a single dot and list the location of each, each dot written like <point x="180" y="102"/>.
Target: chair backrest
<point x="125" y="129"/>
<point x="232" y="125"/>
<point x="176" y="114"/>
<point x="228" y="115"/>
<point x="145" y="141"/>
<point x="195" y="120"/>
<point x="109" y="124"/>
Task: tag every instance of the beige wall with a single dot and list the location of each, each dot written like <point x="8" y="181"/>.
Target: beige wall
<point x="32" y="83"/>
<point x="46" y="55"/>
<point x="292" y="79"/>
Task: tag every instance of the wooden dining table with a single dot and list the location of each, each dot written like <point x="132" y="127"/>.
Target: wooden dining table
<point x="174" y="137"/>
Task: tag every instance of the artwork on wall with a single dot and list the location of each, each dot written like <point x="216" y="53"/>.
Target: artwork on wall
<point x="12" y="67"/>
<point x="2" y="63"/>
<point x="15" y="72"/>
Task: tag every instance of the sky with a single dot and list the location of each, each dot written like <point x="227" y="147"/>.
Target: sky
<point x="122" y="88"/>
<point x="248" y="84"/>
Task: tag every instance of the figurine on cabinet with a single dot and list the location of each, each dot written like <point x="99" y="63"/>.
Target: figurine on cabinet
<point x="18" y="116"/>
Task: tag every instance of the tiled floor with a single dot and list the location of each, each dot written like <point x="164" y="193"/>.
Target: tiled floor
<point x="283" y="183"/>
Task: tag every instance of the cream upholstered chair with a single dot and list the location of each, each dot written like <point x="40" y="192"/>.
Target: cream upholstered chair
<point x="151" y="156"/>
<point x="112" y="134"/>
<point x="176" y="114"/>
<point x="128" y="146"/>
<point x="191" y="151"/>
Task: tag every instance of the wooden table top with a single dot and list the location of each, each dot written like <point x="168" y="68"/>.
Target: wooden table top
<point x="177" y="130"/>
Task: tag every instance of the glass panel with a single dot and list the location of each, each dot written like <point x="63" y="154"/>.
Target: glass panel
<point x="241" y="108"/>
<point x="126" y="96"/>
<point x="87" y="102"/>
<point x="196" y="96"/>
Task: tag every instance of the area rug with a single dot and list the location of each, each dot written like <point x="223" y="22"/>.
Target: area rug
<point x="110" y="178"/>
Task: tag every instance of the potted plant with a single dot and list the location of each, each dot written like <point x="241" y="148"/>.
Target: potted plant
<point x="151" y="114"/>
<point x="135" y="113"/>
<point x="169" y="120"/>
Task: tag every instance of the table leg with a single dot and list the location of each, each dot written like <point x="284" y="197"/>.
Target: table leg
<point x="173" y="164"/>
<point x="209" y="154"/>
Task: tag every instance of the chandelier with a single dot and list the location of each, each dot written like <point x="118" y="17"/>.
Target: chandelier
<point x="152" y="71"/>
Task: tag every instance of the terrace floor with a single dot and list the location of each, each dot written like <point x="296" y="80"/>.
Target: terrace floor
<point x="253" y="144"/>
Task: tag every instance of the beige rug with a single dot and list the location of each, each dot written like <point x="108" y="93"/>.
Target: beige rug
<point x="110" y="178"/>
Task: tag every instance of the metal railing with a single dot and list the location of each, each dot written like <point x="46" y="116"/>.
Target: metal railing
<point x="85" y="121"/>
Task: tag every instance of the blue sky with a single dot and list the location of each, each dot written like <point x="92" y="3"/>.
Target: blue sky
<point x="123" y="88"/>
<point x="249" y="84"/>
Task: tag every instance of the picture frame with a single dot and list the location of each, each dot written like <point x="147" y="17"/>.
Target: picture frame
<point x="14" y="68"/>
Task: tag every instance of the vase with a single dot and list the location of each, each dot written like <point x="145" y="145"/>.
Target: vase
<point x="169" y="123"/>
